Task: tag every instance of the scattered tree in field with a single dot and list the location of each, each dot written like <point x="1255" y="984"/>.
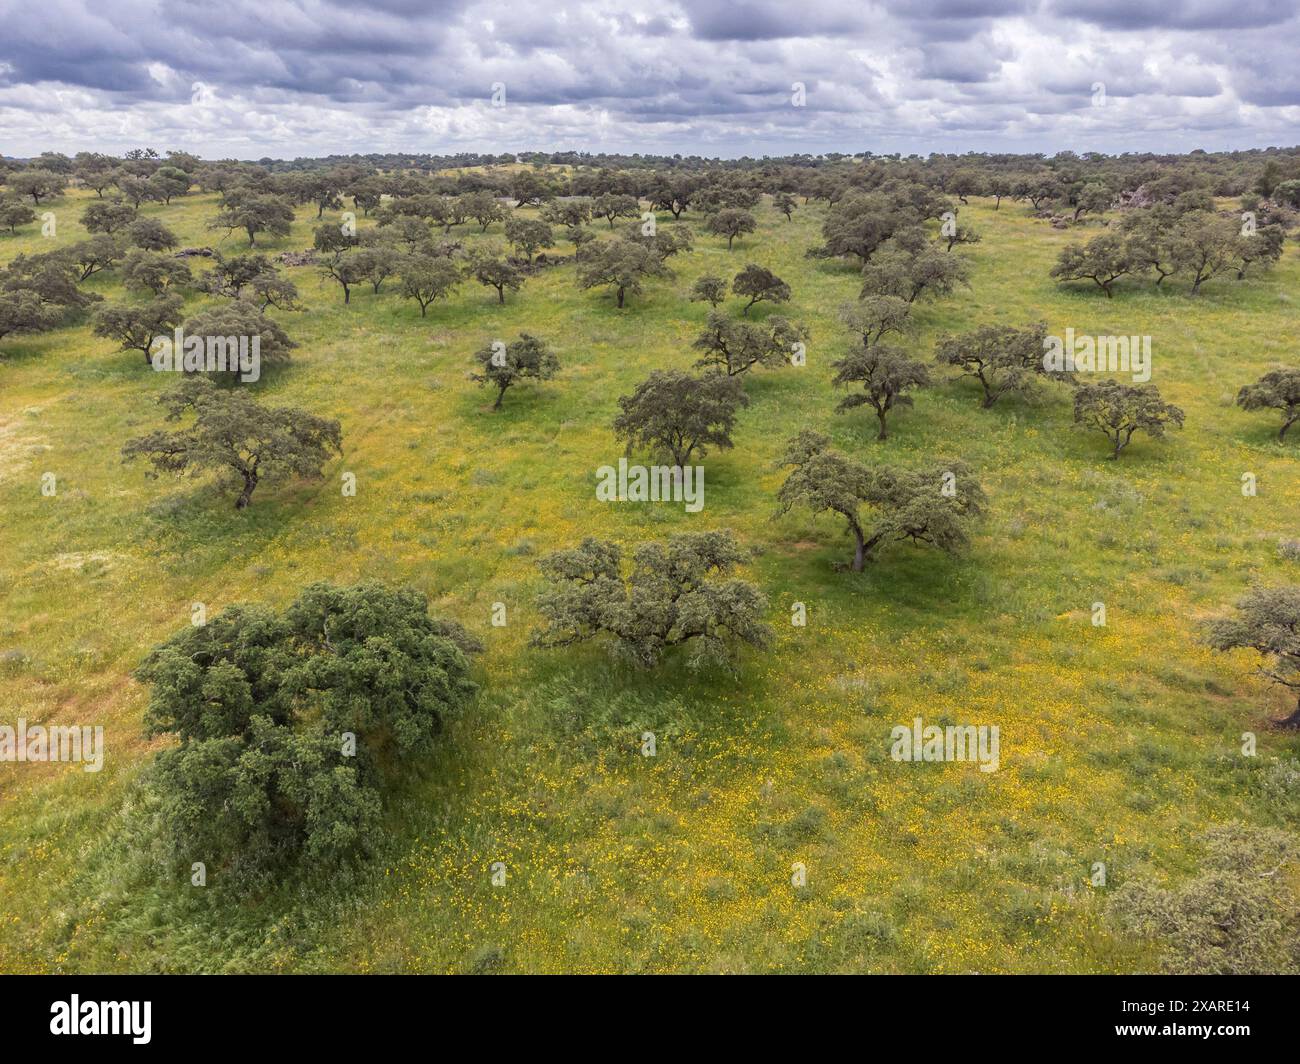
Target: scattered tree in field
<point x="134" y="325"/>
<point x="485" y="209"/>
<point x="233" y="433"/>
<point x="578" y="236"/>
<point x="999" y="187"/>
<point x="964" y="183"/>
<point x="1120" y="410"/>
<point x="239" y="318"/>
<point x="673" y="194"/>
<point x="262" y="782"/>
<point x="254" y="213"/>
<point x="1104" y="260"/>
<point x="107" y="216"/>
<point x="731" y="223"/>
<point x="785" y="203"/>
<point x="333" y="240"/>
<point x="680" y="414"/>
<point x="21" y="311"/>
<point x="1094" y="198"/>
<point x="168" y="182"/>
<point x="735" y="347"/>
<point x="1278" y="389"/>
<point x="101" y="252"/>
<point x="885" y="374"/>
<point x="530" y="189"/>
<point x="412" y="232"/>
<point x="669" y="240"/>
<point x="960" y="234"/>
<point x="1205" y="245"/>
<point x="13" y="213"/>
<point x="858" y="225"/>
<point x="571" y="213"/>
<point x="897" y="270"/>
<point x="492" y="270"/>
<point x="228" y="277"/>
<point x="1150" y="235"/>
<point x="1003" y="359"/>
<point x="51" y="277"/>
<point x="346" y="270"/>
<point x="503" y="365"/>
<point x="620" y="265"/>
<point x="611" y="206"/>
<point x="151" y="235"/>
<point x="376" y="262"/>
<point x="760" y="285"/>
<point x="1232" y="917"/>
<point x="529" y="235"/>
<point x="38" y="184"/>
<point x="152" y="271"/>
<point x="273" y="289"/>
<point x="1260" y="249"/>
<point x="94" y="171"/>
<point x="674" y="594"/>
<point x="709" y="289"/>
<point x="876" y="316"/>
<point x="427" y="277"/>
<point x="934" y="506"/>
<point x="135" y="190"/>
<point x="1267" y="621"/>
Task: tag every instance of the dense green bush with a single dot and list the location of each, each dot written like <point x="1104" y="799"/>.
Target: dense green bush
<point x="1238" y="915"/>
<point x="264" y="704"/>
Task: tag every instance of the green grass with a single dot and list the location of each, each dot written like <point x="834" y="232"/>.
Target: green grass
<point x="1119" y="744"/>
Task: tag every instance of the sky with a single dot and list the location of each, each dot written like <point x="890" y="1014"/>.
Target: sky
<point x="284" y="78"/>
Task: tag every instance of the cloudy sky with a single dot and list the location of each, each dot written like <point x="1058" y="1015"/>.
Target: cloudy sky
<point x="253" y="78"/>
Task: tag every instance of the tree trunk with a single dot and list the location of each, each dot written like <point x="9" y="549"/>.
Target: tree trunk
<point x="880" y="416"/>
<point x="1285" y="425"/>
<point x="620" y="299"/>
<point x="1293" y="721"/>
<point x="250" y="482"/>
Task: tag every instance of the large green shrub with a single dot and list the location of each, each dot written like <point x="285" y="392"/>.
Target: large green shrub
<point x="293" y="726"/>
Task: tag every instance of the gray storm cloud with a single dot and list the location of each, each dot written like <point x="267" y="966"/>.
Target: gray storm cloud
<point x="714" y="77"/>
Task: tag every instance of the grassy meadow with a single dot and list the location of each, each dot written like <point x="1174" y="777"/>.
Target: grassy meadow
<point x="1120" y="744"/>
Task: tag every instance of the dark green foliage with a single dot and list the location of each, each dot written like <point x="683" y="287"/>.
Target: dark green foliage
<point x="680" y="414"/>
<point x="621" y="265"/>
<point x="735" y="347"/>
<point x="1003" y="359"/>
<point x="1278" y="389"/>
<point x="1236" y="916"/>
<point x="731" y="222"/>
<point x="885" y="374"/>
<point x="265" y="777"/>
<point x="1120" y="410"/>
<point x="1267" y="621"/>
<point x="673" y="595"/>
<point x="134" y="325"/>
<point x="503" y="365"/>
<point x="107" y="216"/>
<point x="1104" y="260"/>
<point x="760" y="284"/>
<point x="234" y="434"/>
<point x="934" y="506"/>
